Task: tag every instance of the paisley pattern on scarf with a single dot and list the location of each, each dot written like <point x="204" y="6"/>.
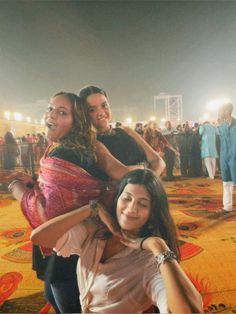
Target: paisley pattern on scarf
<point x="62" y="186"/>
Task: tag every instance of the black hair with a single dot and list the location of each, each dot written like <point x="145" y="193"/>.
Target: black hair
<point x="86" y="91"/>
<point x="160" y="223"/>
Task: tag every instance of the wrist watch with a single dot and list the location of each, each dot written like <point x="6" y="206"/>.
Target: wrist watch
<point x="94" y="208"/>
<point x="163" y="257"/>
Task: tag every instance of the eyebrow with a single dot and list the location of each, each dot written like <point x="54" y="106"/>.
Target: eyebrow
<point x="61" y="107"/>
<point x="104" y="102"/>
<point x="141" y="198"/>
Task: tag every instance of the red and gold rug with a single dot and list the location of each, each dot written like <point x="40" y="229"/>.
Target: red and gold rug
<point x="207" y="241"/>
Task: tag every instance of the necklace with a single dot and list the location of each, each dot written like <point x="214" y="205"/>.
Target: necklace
<point x="109" y="132"/>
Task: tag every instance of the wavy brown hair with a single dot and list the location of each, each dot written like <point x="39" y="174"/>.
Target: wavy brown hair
<point x="81" y="136"/>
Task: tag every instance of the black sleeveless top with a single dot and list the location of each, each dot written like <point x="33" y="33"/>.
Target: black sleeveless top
<point x="122" y="146"/>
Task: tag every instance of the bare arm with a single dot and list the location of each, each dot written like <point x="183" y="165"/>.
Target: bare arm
<point x="156" y="163"/>
<point x="49" y="232"/>
<point x="182" y="296"/>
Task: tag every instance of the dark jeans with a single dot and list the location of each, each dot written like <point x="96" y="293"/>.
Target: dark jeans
<point x="63" y="295"/>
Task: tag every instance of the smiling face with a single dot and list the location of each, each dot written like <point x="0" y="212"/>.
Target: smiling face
<point x="58" y="118"/>
<point x="99" y="111"/>
<point x="133" y="207"/>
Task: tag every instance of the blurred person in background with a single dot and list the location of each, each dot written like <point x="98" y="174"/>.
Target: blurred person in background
<point x="208" y="147"/>
<point x="139" y="128"/>
<point x="227" y="133"/>
<point x="170" y="154"/>
<point x="10" y="152"/>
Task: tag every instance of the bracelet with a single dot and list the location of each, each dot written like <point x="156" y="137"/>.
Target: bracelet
<point x="141" y="243"/>
<point x="10" y="186"/>
<point x="94" y="208"/>
<point x="163" y="257"/>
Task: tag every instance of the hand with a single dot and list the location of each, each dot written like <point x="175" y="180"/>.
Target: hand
<point x="19" y="176"/>
<point x="152" y="243"/>
<point x="109" y="221"/>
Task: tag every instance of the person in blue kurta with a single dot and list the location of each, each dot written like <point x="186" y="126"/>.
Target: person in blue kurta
<point x="208" y="147"/>
<point x="227" y="134"/>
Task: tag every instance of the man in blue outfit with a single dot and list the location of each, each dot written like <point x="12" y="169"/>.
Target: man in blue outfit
<point x="227" y="134"/>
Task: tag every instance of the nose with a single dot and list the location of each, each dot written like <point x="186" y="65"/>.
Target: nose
<point x="100" y="112"/>
<point x="52" y="114"/>
<point x="132" y="209"/>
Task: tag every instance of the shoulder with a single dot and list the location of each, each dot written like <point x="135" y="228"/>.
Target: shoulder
<point x="73" y="240"/>
<point x="68" y="154"/>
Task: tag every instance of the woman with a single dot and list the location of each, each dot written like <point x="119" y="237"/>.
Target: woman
<point x="68" y="128"/>
<point x="127" y="274"/>
<point x="123" y="143"/>
<point x="68" y="178"/>
<point x="10" y="152"/>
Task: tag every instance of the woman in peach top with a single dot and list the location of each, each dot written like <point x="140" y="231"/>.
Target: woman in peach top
<point x="128" y="270"/>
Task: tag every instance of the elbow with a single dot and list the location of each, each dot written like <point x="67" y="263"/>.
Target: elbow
<point x="38" y="238"/>
<point x="35" y="238"/>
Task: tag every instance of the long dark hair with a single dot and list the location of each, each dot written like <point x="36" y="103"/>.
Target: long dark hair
<point x="81" y="135"/>
<point x="160" y="222"/>
<point x="86" y="91"/>
<point x="9" y="138"/>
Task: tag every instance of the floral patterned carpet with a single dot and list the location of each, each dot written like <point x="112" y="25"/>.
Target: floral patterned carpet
<point x="207" y="240"/>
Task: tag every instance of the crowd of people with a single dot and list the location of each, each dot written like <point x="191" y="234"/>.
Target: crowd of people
<point x="102" y="246"/>
<point x="22" y="151"/>
<point x="194" y="150"/>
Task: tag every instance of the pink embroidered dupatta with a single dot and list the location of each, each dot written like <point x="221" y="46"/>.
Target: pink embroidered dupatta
<point x="62" y="186"/>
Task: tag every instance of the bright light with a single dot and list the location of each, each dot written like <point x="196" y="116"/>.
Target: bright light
<point x="7" y="115"/>
<point x="28" y="119"/>
<point x="36" y="121"/>
<point x="206" y="116"/>
<point x="152" y="118"/>
<point x="129" y="120"/>
<point x="42" y="122"/>
<point x="17" y="116"/>
<point x="163" y="120"/>
<point x="215" y="104"/>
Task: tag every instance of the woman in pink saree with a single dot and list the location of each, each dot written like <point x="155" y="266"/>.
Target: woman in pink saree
<point x="70" y="176"/>
<point x="70" y="170"/>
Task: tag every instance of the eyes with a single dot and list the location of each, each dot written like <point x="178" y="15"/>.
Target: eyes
<point x="93" y="109"/>
<point x="58" y="111"/>
<point x="141" y="202"/>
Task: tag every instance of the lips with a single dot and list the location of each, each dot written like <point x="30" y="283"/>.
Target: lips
<point x="130" y="217"/>
<point x="102" y="118"/>
<point x="50" y="125"/>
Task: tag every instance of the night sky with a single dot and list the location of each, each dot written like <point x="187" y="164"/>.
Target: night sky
<point x="132" y="49"/>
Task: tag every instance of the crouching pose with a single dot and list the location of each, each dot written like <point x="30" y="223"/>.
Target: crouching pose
<point x="130" y="272"/>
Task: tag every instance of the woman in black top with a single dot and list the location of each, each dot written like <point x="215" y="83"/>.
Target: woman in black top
<point x="124" y="143"/>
